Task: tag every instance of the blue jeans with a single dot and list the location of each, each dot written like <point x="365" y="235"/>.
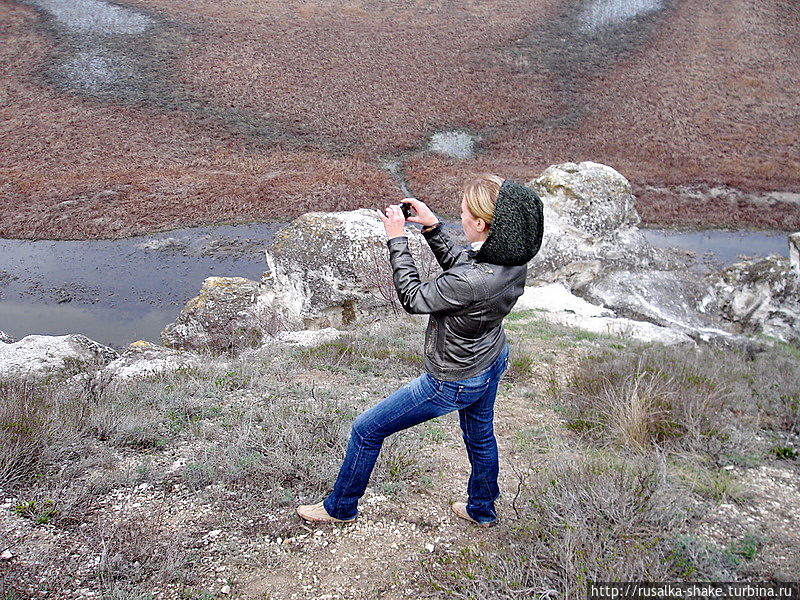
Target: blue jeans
<point x="421" y="400"/>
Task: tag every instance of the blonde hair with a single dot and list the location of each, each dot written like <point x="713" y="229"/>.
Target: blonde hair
<point x="480" y="193"/>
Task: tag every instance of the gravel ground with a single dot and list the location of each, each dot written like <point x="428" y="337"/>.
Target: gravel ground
<point x="244" y="551"/>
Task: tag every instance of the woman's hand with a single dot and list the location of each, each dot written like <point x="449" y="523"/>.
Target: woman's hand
<point x="393" y="221"/>
<point x="424" y="214"/>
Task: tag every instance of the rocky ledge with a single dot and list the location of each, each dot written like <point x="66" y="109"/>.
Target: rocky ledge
<point x="595" y="271"/>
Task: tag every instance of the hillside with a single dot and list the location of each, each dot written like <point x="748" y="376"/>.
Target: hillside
<point x="125" y="118"/>
<point x="183" y="486"/>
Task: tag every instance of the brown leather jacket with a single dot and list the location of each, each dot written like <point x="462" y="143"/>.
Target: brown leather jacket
<point x="466" y="303"/>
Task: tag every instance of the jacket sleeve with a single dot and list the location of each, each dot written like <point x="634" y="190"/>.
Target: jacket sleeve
<point x="442" y="246"/>
<point x="448" y="292"/>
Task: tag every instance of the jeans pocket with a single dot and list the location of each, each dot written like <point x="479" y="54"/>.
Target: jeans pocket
<point x="467" y="394"/>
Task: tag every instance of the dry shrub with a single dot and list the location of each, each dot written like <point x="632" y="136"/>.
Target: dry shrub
<point x="774" y="383"/>
<point x="655" y="396"/>
<point x="65" y="498"/>
<point x="394" y="350"/>
<point x="377" y="277"/>
<point x="140" y="548"/>
<point x="131" y="414"/>
<point x="9" y="583"/>
<point x="24" y="428"/>
<point x="708" y="400"/>
<point x="578" y="520"/>
<point x="287" y="444"/>
<point x="302" y="444"/>
<point x="39" y="425"/>
<point x="46" y="451"/>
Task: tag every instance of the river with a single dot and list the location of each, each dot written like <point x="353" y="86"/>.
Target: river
<point x="118" y="291"/>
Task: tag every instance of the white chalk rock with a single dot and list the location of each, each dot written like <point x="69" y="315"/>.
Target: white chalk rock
<point x="40" y="356"/>
<point x="556" y="297"/>
<point x="308" y="338"/>
<point x="143" y="359"/>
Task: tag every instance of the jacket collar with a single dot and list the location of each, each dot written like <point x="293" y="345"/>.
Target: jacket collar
<point x="473" y="249"/>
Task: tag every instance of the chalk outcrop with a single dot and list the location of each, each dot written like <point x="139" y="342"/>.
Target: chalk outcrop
<point x="332" y="269"/>
<point x="44" y="356"/>
<point x="6" y="338"/>
<point x="675" y="299"/>
<point x="554" y="303"/>
<point x="556" y="297"/>
<point x="143" y="359"/>
<point x="762" y="296"/>
<point x="223" y="316"/>
<point x="309" y="338"/>
<point x="588" y="196"/>
<point x="591" y="226"/>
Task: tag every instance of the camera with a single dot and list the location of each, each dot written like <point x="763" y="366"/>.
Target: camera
<point x="407" y="210"/>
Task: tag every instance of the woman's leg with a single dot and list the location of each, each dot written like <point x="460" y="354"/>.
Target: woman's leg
<point x="477" y="426"/>
<point x="478" y="430"/>
<point x="406" y="407"/>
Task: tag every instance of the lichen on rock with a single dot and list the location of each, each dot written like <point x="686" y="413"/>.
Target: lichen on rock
<point x="332" y="269"/>
<point x="590" y="226"/>
<point x="223" y="316"/>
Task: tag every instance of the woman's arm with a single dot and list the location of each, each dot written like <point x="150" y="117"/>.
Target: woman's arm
<point x="448" y="292"/>
<point x="441" y="244"/>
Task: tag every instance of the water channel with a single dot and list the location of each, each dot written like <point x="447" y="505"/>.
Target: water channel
<point x="118" y="291"/>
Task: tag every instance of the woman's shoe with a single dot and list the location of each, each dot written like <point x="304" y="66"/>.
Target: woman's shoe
<point x="316" y="513"/>
<point x="460" y="508"/>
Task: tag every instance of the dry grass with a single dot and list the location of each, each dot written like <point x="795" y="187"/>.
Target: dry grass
<point x="578" y="519"/>
<point x="39" y="426"/>
<point x="633" y="413"/>
<point x="705" y="400"/>
<point x="262" y="432"/>
<point x="23" y="431"/>
<point x="258" y="111"/>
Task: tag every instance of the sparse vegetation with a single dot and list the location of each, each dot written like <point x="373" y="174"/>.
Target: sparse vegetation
<point x="207" y="131"/>
<point x="644" y="441"/>
<point x="585" y="519"/>
<point x="228" y="112"/>
<point x="702" y="400"/>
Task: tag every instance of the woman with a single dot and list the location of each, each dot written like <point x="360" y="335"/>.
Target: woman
<point x="465" y="346"/>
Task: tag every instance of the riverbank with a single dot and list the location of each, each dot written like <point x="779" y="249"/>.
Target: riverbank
<point x="682" y="207"/>
<point x="118" y="291"/>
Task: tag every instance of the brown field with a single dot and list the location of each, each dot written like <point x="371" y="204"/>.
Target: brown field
<point x="250" y="110"/>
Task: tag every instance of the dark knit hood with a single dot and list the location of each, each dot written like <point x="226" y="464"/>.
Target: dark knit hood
<point x="515" y="234"/>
